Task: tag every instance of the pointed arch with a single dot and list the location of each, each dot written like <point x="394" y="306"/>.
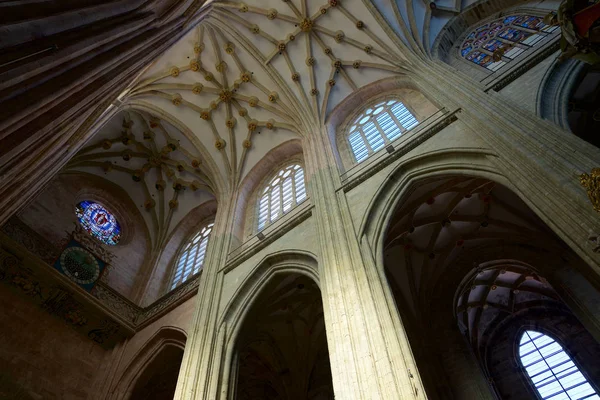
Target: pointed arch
<point x="272" y="266"/>
<point x="550" y="369"/>
<point x="340" y="121"/>
<point x="165" y="337"/>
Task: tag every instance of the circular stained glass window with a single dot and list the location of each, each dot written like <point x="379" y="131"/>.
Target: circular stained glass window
<point x="98" y="222"/>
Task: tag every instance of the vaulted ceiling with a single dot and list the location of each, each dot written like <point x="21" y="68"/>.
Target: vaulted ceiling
<point x="157" y="165"/>
<point x="452" y="219"/>
<point x="247" y="78"/>
<point x="253" y="75"/>
<point x="282" y="345"/>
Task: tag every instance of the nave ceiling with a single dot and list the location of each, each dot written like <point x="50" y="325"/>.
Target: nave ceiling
<point x="246" y="79"/>
<point x="254" y="75"/>
<point x="158" y="166"/>
<point x="446" y="225"/>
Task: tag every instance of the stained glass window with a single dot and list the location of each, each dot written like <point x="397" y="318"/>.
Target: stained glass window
<point x="494" y="44"/>
<point x="551" y="371"/>
<point x="98" y="222"/>
<point x="285" y="191"/>
<point x="378" y="126"/>
<point x="191" y="257"/>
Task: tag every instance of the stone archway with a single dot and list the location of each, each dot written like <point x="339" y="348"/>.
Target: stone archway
<point x="442" y="228"/>
<point x="152" y="373"/>
<point x="158" y="380"/>
<point x="281" y="347"/>
<point x="294" y="273"/>
<point x="501" y="299"/>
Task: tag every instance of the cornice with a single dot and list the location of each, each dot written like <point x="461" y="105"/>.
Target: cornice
<point x="419" y="135"/>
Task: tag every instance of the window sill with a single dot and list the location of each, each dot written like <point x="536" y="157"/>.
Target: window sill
<point x="402" y="145"/>
<point x="271" y="233"/>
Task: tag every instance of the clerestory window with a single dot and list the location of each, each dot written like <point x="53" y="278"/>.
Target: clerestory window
<point x="285" y="191"/>
<point x="496" y="43"/>
<point x="551" y="371"/>
<point x="191" y="257"/>
<point x="379" y="125"/>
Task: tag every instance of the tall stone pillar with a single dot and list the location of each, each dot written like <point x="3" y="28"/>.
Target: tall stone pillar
<point x="365" y="362"/>
<point x="201" y="363"/>
<point x="60" y="72"/>
<point x="540" y="161"/>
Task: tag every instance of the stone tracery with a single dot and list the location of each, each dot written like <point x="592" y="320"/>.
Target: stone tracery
<point x="243" y="82"/>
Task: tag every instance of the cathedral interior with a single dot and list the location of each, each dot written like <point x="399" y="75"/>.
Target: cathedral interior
<point x="300" y="199"/>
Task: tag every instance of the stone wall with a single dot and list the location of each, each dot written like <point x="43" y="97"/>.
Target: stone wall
<point x="523" y="91"/>
<point x="41" y="357"/>
<point x="131" y="357"/>
<point x="52" y="215"/>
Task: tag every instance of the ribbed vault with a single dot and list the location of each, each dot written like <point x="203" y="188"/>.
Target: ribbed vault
<point x="449" y="219"/>
<point x="496" y="291"/>
<point x="282" y="345"/>
<point x="160" y="168"/>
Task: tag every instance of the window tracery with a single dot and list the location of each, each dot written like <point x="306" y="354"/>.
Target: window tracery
<point x="191" y="257"/>
<point x="377" y="126"/>
<point x="496" y="43"/>
<point x="550" y="369"/>
<point x="285" y="191"/>
<point x="98" y="222"/>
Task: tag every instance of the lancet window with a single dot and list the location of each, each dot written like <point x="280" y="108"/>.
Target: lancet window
<point x="496" y="43"/>
<point x="191" y="257"/>
<point x="551" y="371"/>
<point x="379" y="125"/>
<point x="285" y="191"/>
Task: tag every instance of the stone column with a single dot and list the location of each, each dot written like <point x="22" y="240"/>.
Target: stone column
<point x="56" y="89"/>
<point x="201" y="365"/>
<point x="366" y="363"/>
<point x="462" y="369"/>
<point x="579" y="293"/>
<point x="541" y="161"/>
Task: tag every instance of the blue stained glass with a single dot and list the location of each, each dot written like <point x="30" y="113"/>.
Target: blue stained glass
<point x="480" y="58"/>
<point x="493" y="45"/>
<point x="495" y="28"/>
<point x="98" y="222"/>
<point x="483" y="41"/>
<point x="513" y="35"/>
<point x="529" y="22"/>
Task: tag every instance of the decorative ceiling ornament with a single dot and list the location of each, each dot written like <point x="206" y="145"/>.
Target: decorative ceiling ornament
<point x="306" y="24"/>
<point x="591" y="183"/>
<point x="151" y="156"/>
<point x="229" y="88"/>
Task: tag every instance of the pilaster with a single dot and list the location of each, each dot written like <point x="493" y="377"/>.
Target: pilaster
<point x="201" y="364"/>
<point x="540" y="160"/>
<point x="367" y="361"/>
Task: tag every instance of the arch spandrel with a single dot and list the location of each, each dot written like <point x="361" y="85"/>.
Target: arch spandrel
<point x="134" y="364"/>
<point x="249" y="281"/>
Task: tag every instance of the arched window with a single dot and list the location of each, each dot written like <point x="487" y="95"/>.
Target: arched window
<point x="496" y="43"/>
<point x="98" y="222"/>
<point x="378" y="126"/>
<point x="191" y="257"/>
<point x="551" y="371"/>
<point x="285" y="191"/>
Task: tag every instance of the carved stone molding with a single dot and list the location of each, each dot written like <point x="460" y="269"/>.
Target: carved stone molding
<point x="56" y="294"/>
<point x="591" y="183"/>
<point x="31" y="240"/>
<point x="26" y="275"/>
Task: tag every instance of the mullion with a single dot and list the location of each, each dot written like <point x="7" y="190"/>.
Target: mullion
<point x="552" y="372"/>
